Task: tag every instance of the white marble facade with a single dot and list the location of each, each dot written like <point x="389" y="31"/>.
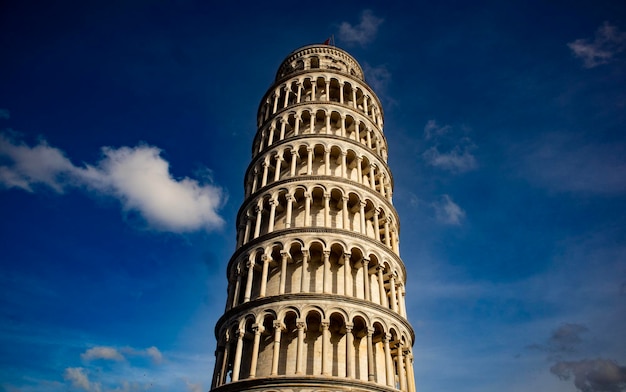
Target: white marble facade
<point x="316" y="285"/>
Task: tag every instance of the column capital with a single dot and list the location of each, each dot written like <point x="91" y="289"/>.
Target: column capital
<point x="305" y="253"/>
<point x="325" y="324"/>
<point x="349" y="327"/>
<point x="258" y="329"/>
<point x="278" y="325"/>
<point x="300" y="324"/>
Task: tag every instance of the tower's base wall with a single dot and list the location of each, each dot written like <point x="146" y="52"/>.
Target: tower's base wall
<point x="303" y="384"/>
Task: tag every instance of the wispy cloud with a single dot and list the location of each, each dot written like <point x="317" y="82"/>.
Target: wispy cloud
<point x="590" y="375"/>
<point x="101" y="352"/>
<point x="608" y="42"/>
<point x="377" y="77"/>
<point x="191" y="387"/>
<point x="564" y="340"/>
<point x="448" y="212"/>
<point x="567" y="162"/>
<point x="448" y="151"/>
<point x="364" y="32"/>
<point x="137" y="176"/>
<point x="115" y="354"/>
<point x="79" y="379"/>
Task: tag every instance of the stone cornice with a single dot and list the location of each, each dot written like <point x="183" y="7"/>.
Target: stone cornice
<point x="319" y="49"/>
<point x="315" y="230"/>
<point x="322" y="105"/>
<point x="313" y="136"/>
<point x="294" y="75"/>
<point x="322" y="180"/>
<point x="317" y="298"/>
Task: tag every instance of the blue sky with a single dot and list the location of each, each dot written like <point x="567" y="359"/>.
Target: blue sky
<point x="126" y="128"/>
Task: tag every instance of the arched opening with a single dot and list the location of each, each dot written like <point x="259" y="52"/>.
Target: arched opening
<point x="288" y="345"/>
<point x="266" y="346"/>
<point x="359" y="332"/>
<point x="313" y="343"/>
<point x="337" y="330"/>
<point x="317" y="207"/>
<point x="316" y="267"/>
<point x="315" y="62"/>
<point x="336" y="205"/>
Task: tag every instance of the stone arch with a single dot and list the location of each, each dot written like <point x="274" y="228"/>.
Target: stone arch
<point x="315" y="267"/>
<point x="313" y="340"/>
<point x="359" y="332"/>
<point x="357" y="272"/>
<point x="338" y="350"/>
<point x="378" y="348"/>
<point x="317" y="205"/>
<point x="289" y="342"/>
<point x="247" y="326"/>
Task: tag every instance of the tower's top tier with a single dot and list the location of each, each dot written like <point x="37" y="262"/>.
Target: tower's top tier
<point x="320" y="56"/>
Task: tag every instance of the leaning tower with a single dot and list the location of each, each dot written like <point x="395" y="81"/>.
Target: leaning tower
<point x="316" y="284"/>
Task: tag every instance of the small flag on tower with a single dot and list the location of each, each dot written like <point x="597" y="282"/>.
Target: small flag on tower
<point x="330" y="40"/>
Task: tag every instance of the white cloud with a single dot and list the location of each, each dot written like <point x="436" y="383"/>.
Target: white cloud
<point x="138" y="177"/>
<point x="432" y="129"/>
<point x="154" y="354"/>
<point x="608" y="41"/>
<point x="114" y="354"/>
<point x="448" y="212"/>
<point x="102" y="352"/>
<point x="377" y="77"/>
<point x="459" y="159"/>
<point x="41" y="164"/>
<point x="569" y="163"/>
<point x="79" y="379"/>
<point x="193" y="387"/>
<point x="449" y="151"/>
<point x="362" y="33"/>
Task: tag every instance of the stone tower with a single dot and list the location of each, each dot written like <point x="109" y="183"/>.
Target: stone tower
<point x="316" y="284"/>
